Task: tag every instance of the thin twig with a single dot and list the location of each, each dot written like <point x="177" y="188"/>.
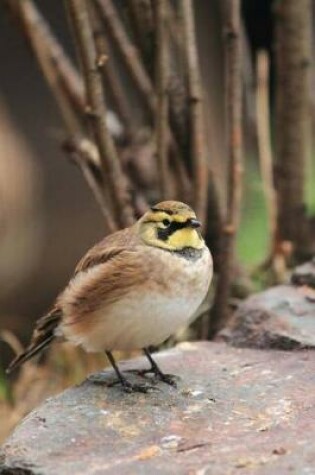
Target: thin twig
<point x="141" y="12"/>
<point x="12" y="341"/>
<point x="85" y="155"/>
<point x="142" y="23"/>
<point x="198" y="142"/>
<point x="178" y="84"/>
<point x="55" y="67"/>
<point x="133" y="62"/>
<point x="31" y="19"/>
<point x="160" y="11"/>
<point x="128" y="51"/>
<point x="175" y="27"/>
<point x="264" y="141"/>
<point x="107" y="67"/>
<point x="80" y="20"/>
<point x="233" y="60"/>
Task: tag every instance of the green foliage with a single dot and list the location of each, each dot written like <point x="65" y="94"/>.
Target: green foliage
<point x="5" y="393"/>
<point x="252" y="241"/>
<point x="310" y="185"/>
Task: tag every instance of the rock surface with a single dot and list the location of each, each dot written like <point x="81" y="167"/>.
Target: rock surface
<point x="281" y="317"/>
<point x="304" y="274"/>
<point x="236" y="411"/>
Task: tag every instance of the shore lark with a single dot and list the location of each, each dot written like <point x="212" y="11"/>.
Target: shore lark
<point x="132" y="290"/>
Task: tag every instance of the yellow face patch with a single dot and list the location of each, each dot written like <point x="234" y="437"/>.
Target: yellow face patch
<point x="156" y="233"/>
<point x="186" y="237"/>
<point x="171" y="225"/>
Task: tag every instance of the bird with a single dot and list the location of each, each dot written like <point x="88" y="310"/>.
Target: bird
<point x="132" y="290"/>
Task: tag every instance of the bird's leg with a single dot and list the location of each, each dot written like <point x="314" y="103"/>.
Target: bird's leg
<point x="127" y="385"/>
<point x="166" y="378"/>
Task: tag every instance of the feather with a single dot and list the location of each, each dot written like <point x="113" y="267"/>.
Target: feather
<point x="43" y="334"/>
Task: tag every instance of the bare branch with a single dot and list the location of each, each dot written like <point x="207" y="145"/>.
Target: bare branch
<point x="107" y="67"/>
<point x="264" y="141"/>
<point x="34" y="24"/>
<point x="142" y="21"/>
<point x="60" y="73"/>
<point x="143" y="82"/>
<point x="128" y="51"/>
<point x="293" y="40"/>
<point x="198" y="142"/>
<point x="96" y="108"/>
<point x="234" y="186"/>
<point x="85" y="155"/>
<point x="178" y="84"/>
<point x="65" y="84"/>
<point x="141" y="13"/>
<point x="160" y="11"/>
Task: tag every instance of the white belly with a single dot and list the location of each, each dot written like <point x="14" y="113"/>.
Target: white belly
<point x="139" y="322"/>
<point x="149" y="315"/>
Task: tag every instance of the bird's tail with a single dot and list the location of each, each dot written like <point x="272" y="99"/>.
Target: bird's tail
<point x="44" y="333"/>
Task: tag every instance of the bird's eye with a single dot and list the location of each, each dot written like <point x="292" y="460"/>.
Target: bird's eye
<point x="166" y="222"/>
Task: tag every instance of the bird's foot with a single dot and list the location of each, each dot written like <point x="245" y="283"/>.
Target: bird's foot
<point x="169" y="379"/>
<point x="138" y="388"/>
<point x="129" y="387"/>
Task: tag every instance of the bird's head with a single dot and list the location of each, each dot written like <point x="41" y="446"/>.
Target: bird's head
<point x="171" y="225"/>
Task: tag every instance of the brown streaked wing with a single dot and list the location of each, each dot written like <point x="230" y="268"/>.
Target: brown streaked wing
<point x="113" y="279"/>
<point x="108" y="248"/>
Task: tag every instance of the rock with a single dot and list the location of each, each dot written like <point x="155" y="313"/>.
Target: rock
<point x="281" y="317"/>
<point x="304" y="274"/>
<point x="235" y="411"/>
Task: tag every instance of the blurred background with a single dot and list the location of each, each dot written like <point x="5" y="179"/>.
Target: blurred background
<point x="49" y="217"/>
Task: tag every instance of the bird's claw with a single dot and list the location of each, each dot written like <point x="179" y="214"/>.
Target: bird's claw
<point x="129" y="387"/>
<point x="169" y="379"/>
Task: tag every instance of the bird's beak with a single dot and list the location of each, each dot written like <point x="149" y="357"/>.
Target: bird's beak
<point x="194" y="223"/>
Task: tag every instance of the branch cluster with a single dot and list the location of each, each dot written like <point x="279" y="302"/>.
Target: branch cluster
<point x="122" y="61"/>
<point x="172" y="100"/>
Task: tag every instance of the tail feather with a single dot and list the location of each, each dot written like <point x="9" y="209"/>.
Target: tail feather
<point x="43" y="334"/>
<point x="28" y="354"/>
